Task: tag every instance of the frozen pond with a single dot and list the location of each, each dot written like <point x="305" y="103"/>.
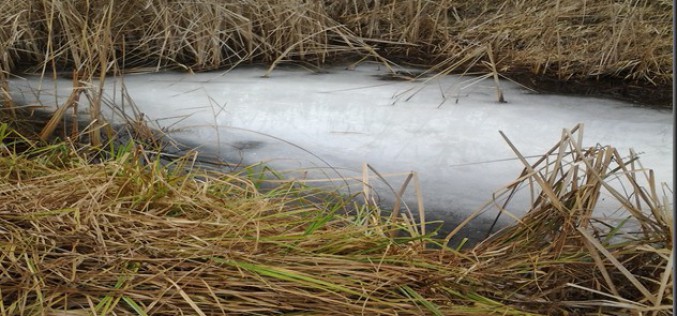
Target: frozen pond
<point x="328" y="125"/>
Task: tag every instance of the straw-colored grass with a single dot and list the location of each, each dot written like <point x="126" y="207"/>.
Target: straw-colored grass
<point x="566" y="38"/>
<point x="121" y="236"/>
<point x="115" y="231"/>
<point x="628" y="40"/>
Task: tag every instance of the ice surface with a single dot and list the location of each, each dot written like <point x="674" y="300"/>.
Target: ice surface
<point x="321" y="125"/>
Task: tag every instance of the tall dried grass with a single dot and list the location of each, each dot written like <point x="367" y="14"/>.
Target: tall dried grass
<point x="627" y="40"/>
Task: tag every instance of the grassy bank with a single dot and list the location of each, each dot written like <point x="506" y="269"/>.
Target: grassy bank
<point x="117" y="232"/>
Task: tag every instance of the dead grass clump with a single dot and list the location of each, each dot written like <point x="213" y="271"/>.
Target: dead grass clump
<point x="104" y="36"/>
<point x="212" y="35"/>
<point x="565" y="39"/>
<point x="128" y="237"/>
<point x="564" y="255"/>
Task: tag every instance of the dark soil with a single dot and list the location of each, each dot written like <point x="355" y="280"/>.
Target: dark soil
<point x="642" y="94"/>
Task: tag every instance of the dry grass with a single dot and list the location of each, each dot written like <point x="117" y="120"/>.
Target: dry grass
<point x="126" y="237"/>
<point x="628" y="39"/>
<point x="565" y="39"/>
<point x="568" y="250"/>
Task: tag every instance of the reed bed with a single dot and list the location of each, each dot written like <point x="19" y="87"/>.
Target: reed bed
<point x="628" y="40"/>
<point x="130" y="235"/>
